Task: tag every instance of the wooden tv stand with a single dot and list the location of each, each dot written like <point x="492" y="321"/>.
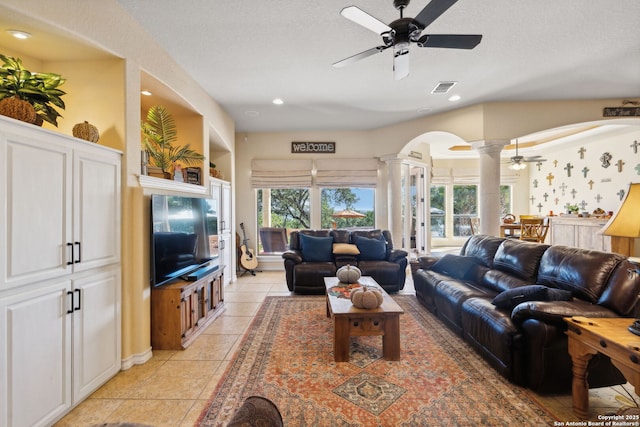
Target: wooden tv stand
<point x="180" y="311"/>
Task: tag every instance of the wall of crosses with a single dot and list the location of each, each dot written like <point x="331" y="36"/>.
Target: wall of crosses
<point x="591" y="175"/>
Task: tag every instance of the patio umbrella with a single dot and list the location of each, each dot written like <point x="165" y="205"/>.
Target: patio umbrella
<point x="348" y="213"/>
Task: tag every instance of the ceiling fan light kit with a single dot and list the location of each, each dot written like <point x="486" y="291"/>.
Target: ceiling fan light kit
<point x="403" y="31"/>
<point x="519" y="162"/>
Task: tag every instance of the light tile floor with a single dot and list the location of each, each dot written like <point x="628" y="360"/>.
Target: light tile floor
<point x="173" y="387"/>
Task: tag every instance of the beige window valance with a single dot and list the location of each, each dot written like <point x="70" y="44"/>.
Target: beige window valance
<point x="281" y="173"/>
<point x="337" y="173"/>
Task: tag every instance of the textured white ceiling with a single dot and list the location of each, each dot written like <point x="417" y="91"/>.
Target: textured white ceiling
<point x="246" y="53"/>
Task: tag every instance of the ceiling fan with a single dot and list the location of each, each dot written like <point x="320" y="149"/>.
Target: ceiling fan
<point x="518" y="162"/>
<point x="402" y="32"/>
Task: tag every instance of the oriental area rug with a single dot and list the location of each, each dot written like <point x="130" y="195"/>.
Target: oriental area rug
<point x="287" y="357"/>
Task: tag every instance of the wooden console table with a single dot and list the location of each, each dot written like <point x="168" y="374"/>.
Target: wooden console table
<point x="609" y="336"/>
<point x="180" y="311"/>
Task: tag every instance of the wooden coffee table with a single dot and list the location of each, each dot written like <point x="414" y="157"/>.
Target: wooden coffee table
<point x="609" y="336"/>
<point x="351" y="321"/>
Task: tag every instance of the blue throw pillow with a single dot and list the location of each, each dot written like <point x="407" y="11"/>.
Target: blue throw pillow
<point x="371" y="249"/>
<point x="316" y="249"/>
<point x="456" y="266"/>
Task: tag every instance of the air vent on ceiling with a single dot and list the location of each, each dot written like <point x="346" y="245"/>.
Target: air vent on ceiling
<point x="443" y="87"/>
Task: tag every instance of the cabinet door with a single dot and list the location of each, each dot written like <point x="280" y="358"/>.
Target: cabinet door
<point x="96" y="331"/>
<point x="225" y="208"/>
<point x="35" y="356"/>
<point x="96" y="209"/>
<point x="225" y="255"/>
<point x="188" y="311"/>
<point x="215" y="205"/>
<point x="36" y="220"/>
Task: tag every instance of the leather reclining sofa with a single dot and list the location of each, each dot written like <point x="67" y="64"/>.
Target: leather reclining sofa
<point x="316" y="254"/>
<point x="508" y="299"/>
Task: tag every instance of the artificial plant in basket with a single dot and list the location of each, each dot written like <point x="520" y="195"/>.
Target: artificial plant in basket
<point x="160" y="133"/>
<point x="29" y="96"/>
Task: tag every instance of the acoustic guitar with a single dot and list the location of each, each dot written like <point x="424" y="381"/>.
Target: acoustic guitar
<point x="248" y="260"/>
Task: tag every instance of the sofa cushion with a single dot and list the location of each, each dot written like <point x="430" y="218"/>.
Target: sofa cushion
<point x="371" y="249"/>
<point x="345" y="249"/>
<point x="623" y="288"/>
<point x="456" y="266"/>
<point x="482" y="247"/>
<point x="583" y="272"/>
<point x="316" y="249"/>
<point x="512" y="297"/>
<point x="518" y="258"/>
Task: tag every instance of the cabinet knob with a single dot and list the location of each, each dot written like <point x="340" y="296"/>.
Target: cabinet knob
<point x="356" y="324"/>
<point x="603" y="344"/>
<point x="633" y="358"/>
<point x="376" y="323"/>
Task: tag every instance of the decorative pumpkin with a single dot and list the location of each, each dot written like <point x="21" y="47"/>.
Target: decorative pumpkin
<point x="18" y="109"/>
<point x="86" y="131"/>
<point x="348" y="274"/>
<point x="365" y="297"/>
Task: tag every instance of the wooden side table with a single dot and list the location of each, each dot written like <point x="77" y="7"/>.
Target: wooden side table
<point x="609" y="336"/>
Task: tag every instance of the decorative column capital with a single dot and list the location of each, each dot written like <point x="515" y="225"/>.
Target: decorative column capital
<point x="490" y="146"/>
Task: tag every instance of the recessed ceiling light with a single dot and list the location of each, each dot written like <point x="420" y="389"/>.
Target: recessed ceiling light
<point x="278" y="101"/>
<point x="22" y="35"/>
<point x="146" y="93"/>
<point x="455" y="98"/>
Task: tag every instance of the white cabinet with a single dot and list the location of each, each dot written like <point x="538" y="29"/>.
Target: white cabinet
<point x="579" y="232"/>
<point x="59" y="272"/>
<point x="59" y="343"/>
<point x="221" y="196"/>
<point x="96" y="331"/>
<point x="61" y="205"/>
<point x="35" y="355"/>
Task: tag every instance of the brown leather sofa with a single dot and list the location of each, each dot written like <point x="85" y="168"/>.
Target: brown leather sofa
<point x="307" y="264"/>
<point x="508" y="299"/>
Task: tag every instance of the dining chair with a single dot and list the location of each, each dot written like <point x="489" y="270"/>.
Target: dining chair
<point x="534" y="229"/>
<point x="474" y="222"/>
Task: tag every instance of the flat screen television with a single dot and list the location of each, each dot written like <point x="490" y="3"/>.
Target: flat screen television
<point x="184" y="237"/>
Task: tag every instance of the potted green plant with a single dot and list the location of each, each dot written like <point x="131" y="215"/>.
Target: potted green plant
<point x="21" y="88"/>
<point x="160" y="132"/>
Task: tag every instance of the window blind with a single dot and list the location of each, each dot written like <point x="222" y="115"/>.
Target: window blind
<point x="281" y="173"/>
<point x="343" y="173"/>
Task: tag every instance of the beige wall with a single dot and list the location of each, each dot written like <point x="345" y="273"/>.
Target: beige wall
<point x="606" y="182"/>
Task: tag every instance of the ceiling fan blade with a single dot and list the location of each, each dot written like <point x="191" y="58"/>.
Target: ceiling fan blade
<point x="400" y="64"/>
<point x="357" y="57"/>
<point x="451" y="41"/>
<point x="361" y="17"/>
<point x="433" y="10"/>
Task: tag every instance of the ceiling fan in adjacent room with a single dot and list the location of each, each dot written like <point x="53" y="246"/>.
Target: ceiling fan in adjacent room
<point x="402" y="32"/>
<point x="519" y="162"/>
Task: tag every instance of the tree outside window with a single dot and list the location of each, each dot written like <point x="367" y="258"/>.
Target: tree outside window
<point x="356" y="200"/>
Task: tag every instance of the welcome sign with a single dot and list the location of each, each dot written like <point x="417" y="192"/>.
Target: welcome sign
<point x="300" y="147"/>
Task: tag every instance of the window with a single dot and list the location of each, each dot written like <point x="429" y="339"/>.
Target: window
<point x="280" y="211"/>
<point x="465" y="206"/>
<point x="505" y="200"/>
<point x="347" y="207"/>
<point x="438" y="210"/>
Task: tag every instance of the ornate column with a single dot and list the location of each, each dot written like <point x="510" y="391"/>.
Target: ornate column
<point x="489" y="190"/>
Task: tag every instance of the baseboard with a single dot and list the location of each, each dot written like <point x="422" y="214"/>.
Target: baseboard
<point x="270" y="263"/>
<point x="136" y="359"/>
